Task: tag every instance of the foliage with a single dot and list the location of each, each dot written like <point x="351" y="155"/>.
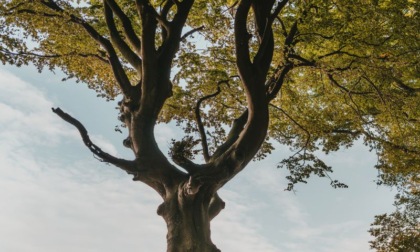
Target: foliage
<point x="399" y="231"/>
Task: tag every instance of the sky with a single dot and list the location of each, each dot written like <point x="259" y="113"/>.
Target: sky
<point x="55" y="196"/>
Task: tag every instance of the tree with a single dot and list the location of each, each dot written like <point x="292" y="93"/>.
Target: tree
<point x="313" y="75"/>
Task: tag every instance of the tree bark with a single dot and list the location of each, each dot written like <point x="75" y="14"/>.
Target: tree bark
<point x="187" y="213"/>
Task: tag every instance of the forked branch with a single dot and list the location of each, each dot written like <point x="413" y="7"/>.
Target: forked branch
<point x="116" y="39"/>
<point x="126" y="23"/>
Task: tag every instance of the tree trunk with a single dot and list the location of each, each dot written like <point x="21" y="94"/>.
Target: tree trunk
<point x="188" y="221"/>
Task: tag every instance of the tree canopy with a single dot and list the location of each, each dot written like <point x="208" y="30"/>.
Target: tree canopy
<point x="237" y="76"/>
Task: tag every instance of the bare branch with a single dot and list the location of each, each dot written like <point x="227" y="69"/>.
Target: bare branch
<point x="341" y="52"/>
<point x="305" y="62"/>
<point x="149" y="30"/>
<point x="291" y="36"/>
<point x="128" y="166"/>
<point x="191" y="32"/>
<point x="263" y="58"/>
<point x="187" y="164"/>
<point x="283" y="27"/>
<point x="378" y="91"/>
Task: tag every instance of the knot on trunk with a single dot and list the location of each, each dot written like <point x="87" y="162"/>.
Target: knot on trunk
<point x="191" y="187"/>
<point x="127" y="142"/>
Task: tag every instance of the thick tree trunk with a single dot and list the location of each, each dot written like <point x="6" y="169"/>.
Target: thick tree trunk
<point x="188" y="221"/>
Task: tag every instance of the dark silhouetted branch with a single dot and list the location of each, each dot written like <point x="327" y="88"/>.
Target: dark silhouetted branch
<point x="191" y="32"/>
<point x="308" y="135"/>
<point x="200" y="122"/>
<point x="335" y="83"/>
<point x="128" y="166"/>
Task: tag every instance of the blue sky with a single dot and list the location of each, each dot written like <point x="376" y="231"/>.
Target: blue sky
<point x="55" y="196"/>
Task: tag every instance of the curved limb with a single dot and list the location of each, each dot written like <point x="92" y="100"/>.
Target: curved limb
<point x="126" y="165"/>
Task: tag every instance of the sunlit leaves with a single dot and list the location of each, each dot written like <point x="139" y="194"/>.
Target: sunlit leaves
<point x="354" y="70"/>
<point x="399" y="231"/>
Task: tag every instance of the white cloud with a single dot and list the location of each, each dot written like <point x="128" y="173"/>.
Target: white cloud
<point x="104" y="144"/>
<point x="54" y="200"/>
<point x="236" y="229"/>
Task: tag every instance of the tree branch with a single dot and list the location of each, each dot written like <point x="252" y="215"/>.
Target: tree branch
<point x="277" y="10"/>
<point x="388" y="143"/>
<point x="167" y="5"/>
<point x="127" y="26"/>
<point x="305" y="62"/>
<point x="200" y="122"/>
<point x="341" y="52"/>
<point x="237" y="127"/>
<point x="73" y="54"/>
<point x="335" y="83"/>
<point x="263" y="21"/>
<point x="171" y="44"/>
<point x="308" y="135"/>
<point x="242" y="37"/>
<point x="405" y="87"/>
<point x="187" y="164"/>
<point x="116" y="39"/>
<point x="274" y="87"/>
<point x="191" y="32"/>
<point x="128" y="166"/>
<point x="117" y="68"/>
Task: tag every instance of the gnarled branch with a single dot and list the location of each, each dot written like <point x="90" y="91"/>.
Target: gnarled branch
<point x="128" y="166"/>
